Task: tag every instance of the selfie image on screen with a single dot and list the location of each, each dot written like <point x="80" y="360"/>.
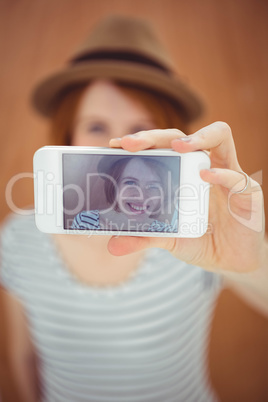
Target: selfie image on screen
<point x="121" y="193"/>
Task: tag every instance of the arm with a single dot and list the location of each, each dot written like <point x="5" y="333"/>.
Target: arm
<point x="18" y="379"/>
<point x="235" y="246"/>
<point x="252" y="286"/>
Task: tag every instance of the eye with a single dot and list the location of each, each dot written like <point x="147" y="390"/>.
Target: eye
<point x="130" y="182"/>
<point x="153" y="186"/>
<point x="96" y="128"/>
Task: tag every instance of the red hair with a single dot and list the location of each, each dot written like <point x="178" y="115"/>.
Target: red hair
<point x="163" y="111"/>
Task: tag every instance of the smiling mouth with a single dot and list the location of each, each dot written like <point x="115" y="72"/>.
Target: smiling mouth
<point x="138" y="209"/>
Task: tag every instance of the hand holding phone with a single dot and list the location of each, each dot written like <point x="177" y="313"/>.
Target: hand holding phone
<point x="90" y="190"/>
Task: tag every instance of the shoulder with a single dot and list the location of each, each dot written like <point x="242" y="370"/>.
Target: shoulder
<point x="18" y="233"/>
<point x="87" y="220"/>
<point x="16" y="228"/>
<point x="19" y="239"/>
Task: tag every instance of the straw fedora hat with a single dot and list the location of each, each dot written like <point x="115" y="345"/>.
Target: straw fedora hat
<point x="122" y="49"/>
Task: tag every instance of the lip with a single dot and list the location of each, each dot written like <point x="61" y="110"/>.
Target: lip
<point x="137" y="209"/>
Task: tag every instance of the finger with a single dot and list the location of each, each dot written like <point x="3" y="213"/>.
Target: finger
<point x="232" y="180"/>
<point x="217" y="138"/>
<point x="147" y="140"/>
<point x="122" y="245"/>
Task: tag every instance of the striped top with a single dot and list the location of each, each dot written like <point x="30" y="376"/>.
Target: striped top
<point x="144" y="340"/>
<point x="89" y="220"/>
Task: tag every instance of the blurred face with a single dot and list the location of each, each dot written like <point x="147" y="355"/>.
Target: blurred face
<point x="105" y="112"/>
<point x="140" y="191"/>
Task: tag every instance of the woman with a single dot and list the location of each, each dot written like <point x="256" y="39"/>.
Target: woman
<point x="135" y="189"/>
<point x="133" y="328"/>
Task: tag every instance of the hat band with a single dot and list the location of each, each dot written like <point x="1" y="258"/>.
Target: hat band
<point x="119" y="56"/>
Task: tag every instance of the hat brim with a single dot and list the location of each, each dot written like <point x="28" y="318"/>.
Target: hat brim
<point x="107" y="161"/>
<point x="48" y="94"/>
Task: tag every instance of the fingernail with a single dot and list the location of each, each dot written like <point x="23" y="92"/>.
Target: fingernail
<point x="115" y="140"/>
<point x="184" y="139"/>
<point x="211" y="170"/>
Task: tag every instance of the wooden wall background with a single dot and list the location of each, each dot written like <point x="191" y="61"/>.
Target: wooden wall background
<point x="221" y="48"/>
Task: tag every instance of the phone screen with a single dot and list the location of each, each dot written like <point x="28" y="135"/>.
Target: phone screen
<point x="121" y="193"/>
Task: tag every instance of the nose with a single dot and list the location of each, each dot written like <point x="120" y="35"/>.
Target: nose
<point x="146" y="192"/>
<point x="138" y="191"/>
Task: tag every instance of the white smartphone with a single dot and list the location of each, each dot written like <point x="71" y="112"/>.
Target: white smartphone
<point x="92" y="190"/>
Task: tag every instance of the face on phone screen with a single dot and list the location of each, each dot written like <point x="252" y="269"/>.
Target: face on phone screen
<point x="121" y="193"/>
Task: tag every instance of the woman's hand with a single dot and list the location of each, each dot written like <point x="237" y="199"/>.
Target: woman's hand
<point x="235" y="239"/>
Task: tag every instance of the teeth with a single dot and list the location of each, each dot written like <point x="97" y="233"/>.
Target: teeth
<point x="137" y="208"/>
